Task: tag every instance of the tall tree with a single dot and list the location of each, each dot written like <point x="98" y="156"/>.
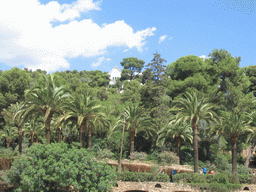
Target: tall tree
<point x="157" y="67"/>
<point x="132" y="68"/>
<point x="252" y="123"/>
<point x="82" y="110"/>
<point x="192" y="108"/>
<point x="14" y="114"/>
<point x="233" y="126"/>
<point x="187" y="74"/>
<point x="179" y="132"/>
<point x="137" y="121"/>
<point x="34" y="127"/>
<point x="46" y="99"/>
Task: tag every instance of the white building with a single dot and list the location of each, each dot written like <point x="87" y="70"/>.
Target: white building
<point x="114" y="74"/>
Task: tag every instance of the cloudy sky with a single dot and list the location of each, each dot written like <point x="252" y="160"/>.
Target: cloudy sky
<point x="96" y="35"/>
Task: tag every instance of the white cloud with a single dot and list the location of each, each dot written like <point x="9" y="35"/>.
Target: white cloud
<point x="170" y="38"/>
<point x="203" y="57"/>
<point x="28" y="38"/>
<point x="100" y="60"/>
<point x="162" y="38"/>
<point x="125" y="50"/>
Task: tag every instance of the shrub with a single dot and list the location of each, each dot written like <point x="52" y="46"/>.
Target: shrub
<point x="104" y="153"/>
<point x="220" y="187"/>
<point x="167" y="158"/>
<point x="138" y="156"/>
<point x="56" y="167"/>
<point x="143" y="177"/>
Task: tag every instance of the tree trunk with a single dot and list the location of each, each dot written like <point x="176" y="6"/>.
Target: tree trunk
<point x="178" y="144"/>
<point x="233" y="143"/>
<point x="89" y="137"/>
<point x="59" y="134"/>
<point x="20" y="138"/>
<point x="132" y="135"/>
<point x="48" y="129"/>
<point x="250" y="152"/>
<point x="8" y="143"/>
<point x="32" y="138"/>
<point x="195" y="145"/>
<point x="81" y="132"/>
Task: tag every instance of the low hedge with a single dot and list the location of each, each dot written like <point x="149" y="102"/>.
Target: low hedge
<point x="216" y="178"/>
<point x="220" y="187"/>
<point x="143" y="176"/>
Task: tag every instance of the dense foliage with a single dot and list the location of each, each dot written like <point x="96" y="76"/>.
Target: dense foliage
<point x="209" y="102"/>
<point x="58" y="167"/>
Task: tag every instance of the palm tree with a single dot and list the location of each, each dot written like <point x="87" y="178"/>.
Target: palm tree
<point x="15" y="115"/>
<point x="96" y="123"/>
<point x="33" y="128"/>
<point x="252" y="123"/>
<point x="192" y="109"/>
<point x="9" y="133"/>
<point x="233" y="126"/>
<point x="136" y="122"/>
<point x="47" y="99"/>
<point x="84" y="112"/>
<point x="179" y="132"/>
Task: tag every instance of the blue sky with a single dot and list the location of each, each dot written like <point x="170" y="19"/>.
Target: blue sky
<point x="97" y="35"/>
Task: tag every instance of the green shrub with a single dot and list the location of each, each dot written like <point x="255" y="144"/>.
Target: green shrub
<point x="198" y="178"/>
<point x="167" y="157"/>
<point x="143" y="177"/>
<point x="104" y="153"/>
<point x="220" y="187"/>
<point x="56" y="167"/>
<point x="183" y="177"/>
<point x="138" y="156"/>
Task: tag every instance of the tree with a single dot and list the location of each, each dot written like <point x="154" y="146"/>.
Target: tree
<point x="32" y="128"/>
<point x="179" y="132"/>
<point x="187" y="74"/>
<point x="14" y="114"/>
<point x="47" y="100"/>
<point x="252" y="123"/>
<point x="191" y="108"/>
<point x="157" y="67"/>
<point x="132" y="68"/>
<point x="136" y="122"/>
<point x="131" y="91"/>
<point x="8" y="133"/>
<point x="233" y="126"/>
<point x="81" y="110"/>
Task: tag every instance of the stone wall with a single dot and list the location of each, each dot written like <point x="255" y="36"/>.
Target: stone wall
<point x="162" y="187"/>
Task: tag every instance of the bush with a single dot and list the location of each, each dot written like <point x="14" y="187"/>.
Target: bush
<point x="104" y="153"/>
<point x="56" y="167"/>
<point x="167" y="158"/>
<point x="224" y="178"/>
<point x="138" y="156"/>
<point x="220" y="187"/>
<point x="143" y="177"/>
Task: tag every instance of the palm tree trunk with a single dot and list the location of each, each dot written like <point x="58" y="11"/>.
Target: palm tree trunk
<point x="32" y="138"/>
<point x="48" y="129"/>
<point x="178" y="140"/>
<point x="195" y="145"/>
<point x="81" y="132"/>
<point x="8" y="143"/>
<point x="89" y="137"/>
<point x="250" y="152"/>
<point x="132" y="135"/>
<point x="233" y="143"/>
<point x="20" y="138"/>
<point x="59" y="134"/>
